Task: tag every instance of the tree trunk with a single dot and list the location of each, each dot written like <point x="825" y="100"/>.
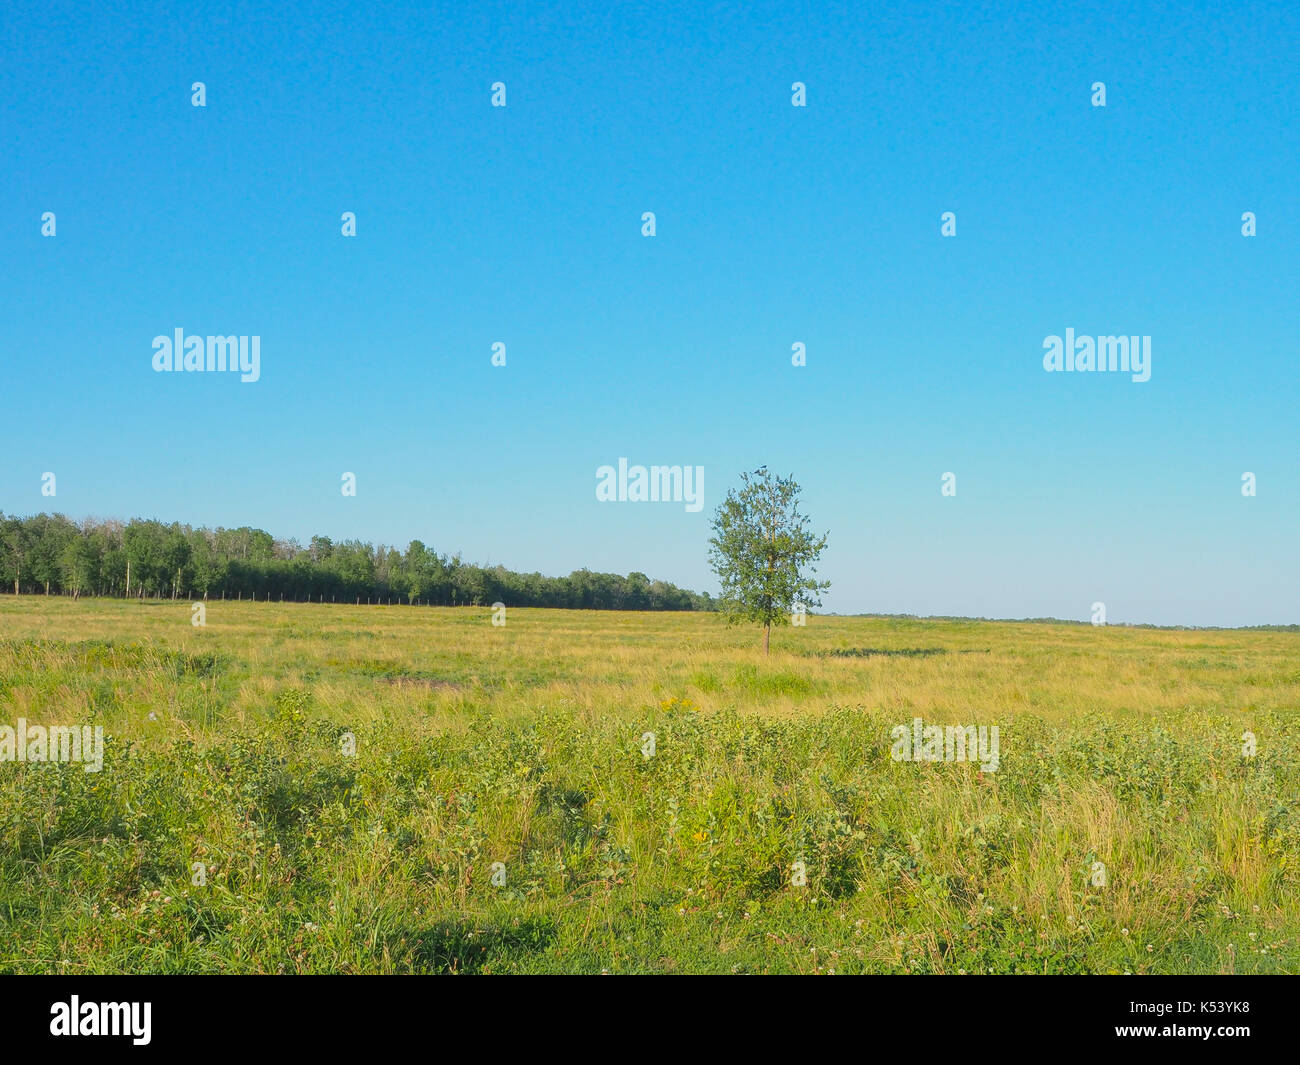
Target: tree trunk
<point x="767" y="633"/>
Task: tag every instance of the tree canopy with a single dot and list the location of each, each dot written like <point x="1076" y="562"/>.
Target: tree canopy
<point x="764" y="552"/>
<point x="49" y="553"/>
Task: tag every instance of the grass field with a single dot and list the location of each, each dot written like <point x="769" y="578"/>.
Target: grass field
<point x="523" y="745"/>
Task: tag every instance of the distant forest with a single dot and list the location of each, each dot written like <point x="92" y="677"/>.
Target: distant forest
<point x="50" y="554"/>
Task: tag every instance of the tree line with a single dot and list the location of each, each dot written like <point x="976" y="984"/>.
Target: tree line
<point x="50" y="554"/>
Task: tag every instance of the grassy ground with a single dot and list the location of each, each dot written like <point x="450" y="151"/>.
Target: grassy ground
<point x="523" y="745"/>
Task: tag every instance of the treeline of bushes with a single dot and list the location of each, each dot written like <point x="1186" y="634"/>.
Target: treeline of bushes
<point x="49" y="554"/>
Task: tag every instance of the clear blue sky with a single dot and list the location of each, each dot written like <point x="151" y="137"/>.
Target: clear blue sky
<point x="776" y="224"/>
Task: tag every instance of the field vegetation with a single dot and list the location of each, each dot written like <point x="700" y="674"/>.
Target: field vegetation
<point x="231" y="829"/>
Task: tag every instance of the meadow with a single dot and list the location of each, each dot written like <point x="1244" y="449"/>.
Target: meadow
<point x="394" y="789"/>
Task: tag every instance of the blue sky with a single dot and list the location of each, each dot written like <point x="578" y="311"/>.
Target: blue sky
<point x="775" y="224"/>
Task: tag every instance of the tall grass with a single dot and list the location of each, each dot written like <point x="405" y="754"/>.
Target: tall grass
<point x="523" y="745"/>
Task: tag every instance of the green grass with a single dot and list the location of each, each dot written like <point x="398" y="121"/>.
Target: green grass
<point x="522" y="745"/>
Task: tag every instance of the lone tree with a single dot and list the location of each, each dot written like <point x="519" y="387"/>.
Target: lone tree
<point x="763" y="552"/>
